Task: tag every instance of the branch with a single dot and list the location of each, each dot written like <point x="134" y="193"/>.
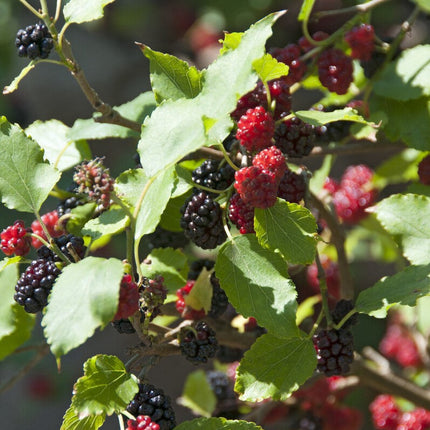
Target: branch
<point x="360" y="8"/>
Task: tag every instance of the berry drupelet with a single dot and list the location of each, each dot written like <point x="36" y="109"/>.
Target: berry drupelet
<point x="15" y="239"/>
<point x="290" y="55"/>
<point x="341" y="310"/>
<point x="219" y="300"/>
<point x="335" y="70"/>
<point x="271" y="160"/>
<point x="197" y="266"/>
<point x="71" y="246"/>
<point x="142" y="422"/>
<point x="50" y="220"/>
<point x="211" y="175"/>
<point x="241" y="214"/>
<point x="198" y="343"/>
<point x="162" y="238"/>
<point x="186" y="311"/>
<point x="361" y="41"/>
<point x="292" y="187"/>
<point x="34" y="41"/>
<point x="128" y="298"/>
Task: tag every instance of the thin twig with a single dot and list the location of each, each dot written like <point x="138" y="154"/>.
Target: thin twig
<point x="31" y="9"/>
<point x="360" y="8"/>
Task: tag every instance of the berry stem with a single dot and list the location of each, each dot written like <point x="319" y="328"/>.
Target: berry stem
<point x="316" y="324"/>
<point x="128" y="415"/>
<point x="57" y="11"/>
<point x="344" y="319"/>
<point x="121" y="422"/>
<point x="31" y="9"/>
<point x="360" y="8"/>
<point x="44" y="7"/>
<point x="324" y="290"/>
<point x="227" y="157"/>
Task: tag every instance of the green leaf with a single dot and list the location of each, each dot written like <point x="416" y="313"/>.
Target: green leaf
<point x="306" y="9"/>
<point x="84" y="298"/>
<point x="289" y="228"/>
<point x="274" y="368"/>
<point x="105" y="388"/>
<point x="178" y="126"/>
<point x="257" y="284"/>
<point x="60" y="151"/>
<point x="200" y="297"/>
<point x="402" y="288"/>
<point x="6" y="128"/>
<point x="408" y="77"/>
<point x="231" y="41"/>
<point x="79" y="216"/>
<point x="269" y="68"/>
<point x="129" y="185"/>
<point x="137" y="110"/>
<point x="306" y="308"/>
<point x="170" y="263"/>
<point x="79" y="11"/>
<point x="184" y="181"/>
<point x="13" y="86"/>
<point x="16" y="325"/>
<point x="217" y="424"/>
<point x="408" y="218"/>
<point x="71" y="421"/>
<point x="198" y="395"/>
<point x="170" y="219"/>
<point x="172" y="78"/>
<point x="319" y="176"/>
<point x="152" y="202"/>
<point x="407" y="120"/>
<point x="25" y="180"/>
<point x="110" y="222"/>
<point x="318" y="118"/>
<point x="423" y="4"/>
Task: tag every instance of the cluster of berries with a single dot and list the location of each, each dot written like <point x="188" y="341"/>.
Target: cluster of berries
<point x="354" y="194"/>
<point x="34" y="41"/>
<point x="142" y="422"/>
<point x="387" y="415"/>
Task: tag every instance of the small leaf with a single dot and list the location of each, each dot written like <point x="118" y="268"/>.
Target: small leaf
<point x="105" y="388"/>
<point x="257" y="284"/>
<point x="79" y="11"/>
<point x="274" y="368"/>
<point x="231" y="41"/>
<point x="319" y="176"/>
<point x="407" y="217"/>
<point x="84" y="297"/>
<point x="198" y="395"/>
<point x="408" y="77"/>
<point x="289" y="228"/>
<point x="402" y="288"/>
<point x="14" y="84"/>
<point x="318" y="118"/>
<point x="59" y="150"/>
<point x="110" y="222"/>
<point x="269" y="68"/>
<point x="200" y="296"/>
<point x="79" y="216"/>
<point x="306" y="9"/>
<point x="71" y="421"/>
<point x="217" y="424"/>
<point x="172" y="78"/>
<point x="25" y="180"/>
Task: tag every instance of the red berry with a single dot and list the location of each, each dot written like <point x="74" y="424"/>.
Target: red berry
<point x="128" y="298"/>
<point x="292" y="187"/>
<point x="14" y="239"/>
<point x="418" y="419"/>
<point x="271" y="160"/>
<point x="385" y="412"/>
<point x="290" y="55"/>
<point x="335" y="70"/>
<point x="341" y="417"/>
<point x="331" y="185"/>
<point x="142" y="422"/>
<point x="241" y="214"/>
<point x="54" y="228"/>
<point x="360" y="175"/>
<point x="361" y="41"/>
<point x="256" y="188"/>
<point x="280" y="94"/>
<point x="255" y="129"/>
<point x="331" y="275"/>
<point x="186" y="311"/>
<point x="424" y="170"/>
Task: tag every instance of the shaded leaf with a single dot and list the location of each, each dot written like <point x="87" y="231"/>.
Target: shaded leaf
<point x="71" y="421"/>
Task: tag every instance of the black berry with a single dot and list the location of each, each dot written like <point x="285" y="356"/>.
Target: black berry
<point x="197" y="266"/>
<point x="199" y="343"/>
<point x="35" y="41"/>
<point x="342" y="308"/>
<point x="162" y="238"/>
<point x="219" y="301"/>
<point x="65" y="243"/>
<point x="220" y="384"/>
<point x="211" y="175"/>
<point x="123" y="326"/>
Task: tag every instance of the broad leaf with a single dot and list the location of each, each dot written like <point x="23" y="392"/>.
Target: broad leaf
<point x="15" y="324"/>
<point x="198" y="395"/>
<point x="289" y="228"/>
<point x="407" y="217"/>
<point x="274" y="368"/>
<point x="84" y="298"/>
<point x="110" y="222"/>
<point x="79" y="11"/>
<point x="59" y="150"/>
<point x="71" y="421"/>
<point x="172" y="78"/>
<point x="217" y="424"/>
<point x="25" y="179"/>
<point x="105" y="388"/>
<point x="402" y="288"/>
<point x="136" y="110"/>
<point x="170" y="263"/>
<point x="257" y="284"/>
<point x="269" y="68"/>
<point x="176" y="128"/>
<point x="129" y="186"/>
<point x="408" y="77"/>
<point x="318" y="118"/>
<point x="170" y="219"/>
<point x="13" y="86"/>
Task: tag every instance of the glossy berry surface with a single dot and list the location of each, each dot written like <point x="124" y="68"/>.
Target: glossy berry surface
<point x="292" y="187"/>
<point x="271" y="160"/>
<point x="198" y="344"/>
<point x="128" y="298"/>
<point x="290" y="55"/>
<point x="211" y="175"/>
<point x="152" y="401"/>
<point x="335" y="351"/>
<point x="50" y="220"/>
<point x="219" y="301"/>
<point x="186" y="311"/>
<point x="341" y="310"/>
<point x="241" y="214"/>
<point x="335" y="70"/>
<point x="197" y="266"/>
<point x="256" y="187"/>
<point x="162" y="238"/>
<point x="385" y="412"/>
<point x="202" y="221"/>
<point x="71" y="246"/>
<point x="142" y="422"/>
<point x="361" y="41"/>
<point x="15" y="239"/>
<point x="255" y="129"/>
<point x="35" y="284"/>
<point x="34" y="41"/>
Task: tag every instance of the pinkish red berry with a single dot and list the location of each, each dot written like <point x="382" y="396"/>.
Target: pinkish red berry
<point x="385" y="412"/>
<point x="142" y="422"/>
<point x="241" y="214"/>
<point x="255" y="129"/>
<point x="418" y="419"/>
<point x="290" y="55"/>
<point x="54" y="228"/>
<point x="128" y="298"/>
<point x="256" y="188"/>
<point x="306" y="46"/>
<point x="186" y="311"/>
<point x="332" y="278"/>
<point x="424" y="170"/>
<point x="360" y="175"/>
<point x="271" y="160"/>
<point x="280" y="94"/>
<point x="331" y="185"/>
<point x="335" y="70"/>
<point x="15" y="239"/>
<point x="361" y="41"/>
